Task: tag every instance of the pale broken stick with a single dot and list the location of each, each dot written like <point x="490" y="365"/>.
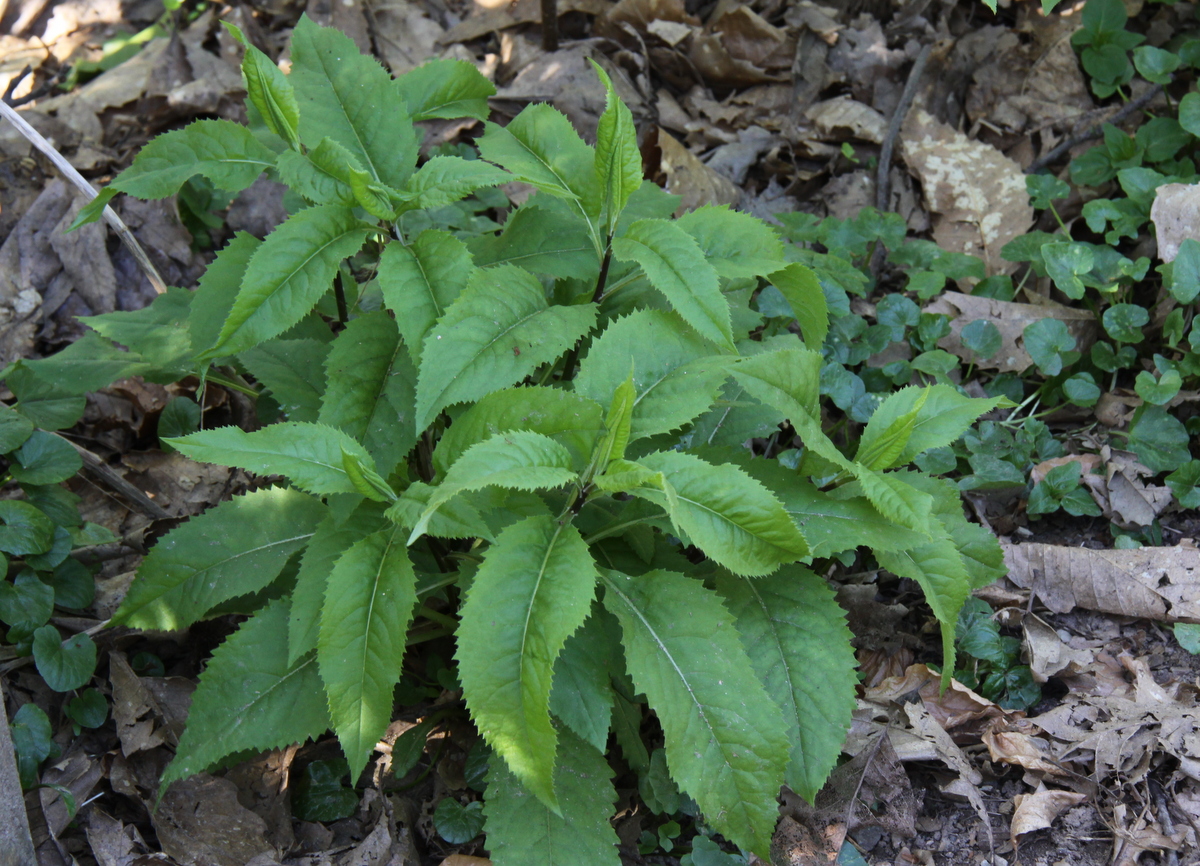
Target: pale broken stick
<point x="110" y="477"/>
<point x="16" y="843"/>
<point x="80" y="182"/>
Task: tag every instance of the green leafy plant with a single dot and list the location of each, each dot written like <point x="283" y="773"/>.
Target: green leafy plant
<point x="41" y="534"/>
<point x="994" y="667"/>
<point x="534" y="440"/>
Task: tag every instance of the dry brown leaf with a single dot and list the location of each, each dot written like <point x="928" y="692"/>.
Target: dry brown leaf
<point x="1021" y="750"/>
<point x="113" y="843"/>
<point x="957" y="706"/>
<point x="1176" y="217"/>
<point x="1160" y="583"/>
<point x="977" y="192"/>
<point x="1011" y="319"/>
<point x="404" y="34"/>
<point x="741" y="49"/>
<point x="134" y="709"/>
<point x="201" y="823"/>
<point x="1049" y="655"/>
<point x="1038" y="810"/>
<point x="691" y="179"/>
<point x="843" y="118"/>
<point x="869" y="720"/>
<point x="1135" y="835"/>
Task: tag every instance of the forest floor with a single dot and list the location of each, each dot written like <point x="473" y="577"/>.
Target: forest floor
<point x="774" y="107"/>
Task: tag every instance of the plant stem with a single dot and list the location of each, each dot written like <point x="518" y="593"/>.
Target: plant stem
<point x="573" y="355"/>
<point x="339" y="295"/>
<point x="440" y="618"/>
<point x="218" y="379"/>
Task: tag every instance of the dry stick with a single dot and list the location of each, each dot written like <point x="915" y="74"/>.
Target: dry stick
<point x="549" y="25"/>
<point x="1096" y="131"/>
<point x="68" y="170"/>
<point x="119" y="484"/>
<point x="882" y="179"/>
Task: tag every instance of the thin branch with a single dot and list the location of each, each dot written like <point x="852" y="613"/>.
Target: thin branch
<point x="109" y="476"/>
<point x="1095" y="131"/>
<point x="89" y="192"/>
<point x="883" y="184"/>
<point x="549" y="25"/>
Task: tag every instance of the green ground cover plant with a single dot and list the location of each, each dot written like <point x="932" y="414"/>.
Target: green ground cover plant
<point x="534" y="439"/>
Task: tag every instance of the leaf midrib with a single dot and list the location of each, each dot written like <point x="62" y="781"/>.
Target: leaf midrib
<point x="700" y="708"/>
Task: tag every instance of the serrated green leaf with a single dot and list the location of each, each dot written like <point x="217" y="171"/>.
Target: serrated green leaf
<point x="329" y="541"/>
<point x="616" y="425"/>
<point x="456" y="518"/>
<point x="497" y="332"/>
<point x="250" y="698"/>
<point x="374" y="198"/>
<point x="287" y="275"/>
<point x="736" y="244"/>
<point x="802" y="290"/>
<point x="676" y="374"/>
<point x="533" y="590"/>
<point x="269" y="90"/>
<point x="310" y="455"/>
<point x="322" y="175"/>
<point x="158" y="332"/>
<point x="735" y="418"/>
<point x="734" y="519"/>
<point x="540" y="147"/>
<point x="521" y="831"/>
<point x="443" y="180"/>
<point x="675" y="265"/>
<point x="371" y="389"/>
<point x="938" y="567"/>
<point x="446" y="89"/>
<point x="366" y="480"/>
<point x="582" y="697"/>
<point x="88" y="364"/>
<point x="572" y="420"/>
<point x="516" y="460"/>
<point x="545" y="236"/>
<point x="799" y="646"/>
<point x="618" y="162"/>
<point x="421" y="281"/>
<point x="726" y="740"/>
<point x="231" y="550"/>
<point x="294" y="372"/>
<point x="895" y="499"/>
<point x="217" y="290"/>
<point x="368" y="606"/>
<point x="890" y="428"/>
<point x="829" y="525"/>
<point x="350" y="98"/>
<point x="63" y="664"/>
<point x="225" y="152"/>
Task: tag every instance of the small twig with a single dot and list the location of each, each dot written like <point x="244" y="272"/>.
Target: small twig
<point x="89" y="192"/>
<point x="549" y="25"/>
<point x="862" y="777"/>
<point x="883" y="184"/>
<point x="106" y="473"/>
<point x="1096" y="131"/>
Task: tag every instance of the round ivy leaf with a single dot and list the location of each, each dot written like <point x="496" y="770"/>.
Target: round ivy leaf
<point x="89" y="710"/>
<point x="319" y="794"/>
<point x="179" y="417"/>
<point x="26" y="530"/>
<point x="1189" y="113"/>
<point x="896" y="312"/>
<point x="63" y="664"/>
<point x="73" y="584"/>
<point x="456" y="823"/>
<point x="1185" y="484"/>
<point x="937" y="461"/>
<point x="56" y="502"/>
<point x="45" y="459"/>
<point x="1045" y="188"/>
<point x="1124" y="322"/>
<point x="1107" y="65"/>
<point x="1082" y="390"/>
<point x="15" y="428"/>
<point x="1155" y="64"/>
<point x="1158" y="439"/>
<point x="32" y="741"/>
<point x="26" y="601"/>
<point x="982" y="337"/>
<point x="58" y="551"/>
<point x="476" y="766"/>
<point x="1047" y="341"/>
<point x="1188" y="635"/>
<point x="1185" y="272"/>
<point x="1158" y="392"/>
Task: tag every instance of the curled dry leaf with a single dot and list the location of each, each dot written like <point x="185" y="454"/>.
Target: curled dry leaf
<point x="741" y="49"/>
<point x="1176" y="217"/>
<point x="843" y="118"/>
<point x="691" y="179"/>
<point x="1038" y="810"/>
<point x="977" y="192"/>
<point x="1160" y="583"/>
<point x="201" y="823"/>
<point x="1011" y="319"/>
<point x="1022" y="750"/>
<point x="1136" y="833"/>
<point x="1049" y="655"/>
<point x="953" y="709"/>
